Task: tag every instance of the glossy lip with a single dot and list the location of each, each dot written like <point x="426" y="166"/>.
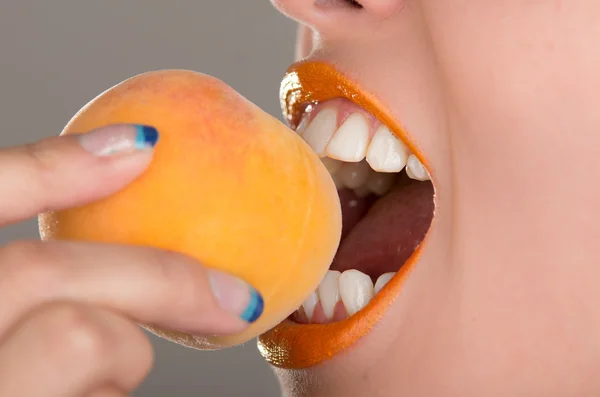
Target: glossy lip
<point x="296" y="346"/>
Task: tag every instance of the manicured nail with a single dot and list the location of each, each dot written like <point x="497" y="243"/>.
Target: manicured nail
<point x="236" y="296"/>
<point x="119" y="139"/>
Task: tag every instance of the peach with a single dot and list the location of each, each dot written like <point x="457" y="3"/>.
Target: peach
<point x="229" y="185"/>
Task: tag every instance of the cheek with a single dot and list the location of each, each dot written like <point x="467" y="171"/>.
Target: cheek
<point x="500" y="57"/>
<point x="507" y="69"/>
<point x="304" y="42"/>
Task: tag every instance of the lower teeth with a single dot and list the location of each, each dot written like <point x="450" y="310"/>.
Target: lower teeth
<point x="340" y="295"/>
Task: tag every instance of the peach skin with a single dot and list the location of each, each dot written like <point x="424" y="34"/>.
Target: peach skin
<point x="230" y="186"/>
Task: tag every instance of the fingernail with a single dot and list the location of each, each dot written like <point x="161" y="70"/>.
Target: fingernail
<point x="236" y="296"/>
<point x="119" y="139"/>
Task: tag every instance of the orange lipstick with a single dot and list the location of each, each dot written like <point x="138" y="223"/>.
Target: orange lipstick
<point x="292" y="345"/>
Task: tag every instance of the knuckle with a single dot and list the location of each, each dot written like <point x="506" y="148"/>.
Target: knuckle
<point x="77" y="333"/>
<point x="168" y="265"/>
<point x="180" y="280"/>
<point x="43" y="159"/>
<point x="21" y="250"/>
<point x="41" y="164"/>
<point x="26" y="263"/>
<point x="159" y="260"/>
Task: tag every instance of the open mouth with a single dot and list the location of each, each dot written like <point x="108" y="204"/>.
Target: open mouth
<point x="387" y="203"/>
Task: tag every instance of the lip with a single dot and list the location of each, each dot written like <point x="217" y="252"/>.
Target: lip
<point x="295" y="346"/>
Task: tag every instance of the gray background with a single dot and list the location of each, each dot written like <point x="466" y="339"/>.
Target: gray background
<point x="56" y="55"/>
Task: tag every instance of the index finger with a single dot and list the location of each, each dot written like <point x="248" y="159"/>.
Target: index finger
<point x="71" y="170"/>
<point x="151" y="286"/>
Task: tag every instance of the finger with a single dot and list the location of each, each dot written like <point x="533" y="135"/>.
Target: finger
<point x="152" y="286"/>
<point x="72" y="350"/>
<point x="71" y="170"/>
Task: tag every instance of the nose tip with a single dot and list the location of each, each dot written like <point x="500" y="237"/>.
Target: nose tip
<point x="381" y="8"/>
<point x="316" y="12"/>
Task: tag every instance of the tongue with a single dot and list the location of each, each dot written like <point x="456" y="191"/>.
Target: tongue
<point x="389" y="232"/>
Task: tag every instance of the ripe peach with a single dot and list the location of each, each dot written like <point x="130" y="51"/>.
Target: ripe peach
<point x="229" y="185"/>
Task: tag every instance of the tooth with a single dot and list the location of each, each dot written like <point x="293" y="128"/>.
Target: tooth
<point x="309" y="305"/>
<point x="319" y="131"/>
<point x="382" y="281"/>
<point x="328" y="292"/>
<point x="332" y="165"/>
<point x="386" y="152"/>
<point x="362" y="191"/>
<point x="350" y="141"/>
<point x="339" y="184"/>
<point x="356" y="290"/>
<point x="354" y="174"/>
<point x="416" y="170"/>
<point x="380" y="182"/>
<point x="303" y="124"/>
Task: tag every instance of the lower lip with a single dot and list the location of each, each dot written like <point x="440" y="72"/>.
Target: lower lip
<point x="295" y="346"/>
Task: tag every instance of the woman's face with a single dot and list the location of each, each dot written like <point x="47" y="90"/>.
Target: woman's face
<point x="499" y="99"/>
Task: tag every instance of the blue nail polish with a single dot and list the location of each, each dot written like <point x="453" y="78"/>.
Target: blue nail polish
<point x="146" y="137"/>
<point x="255" y="307"/>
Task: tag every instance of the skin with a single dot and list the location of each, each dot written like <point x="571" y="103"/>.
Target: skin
<point x="77" y="304"/>
<point x="501" y="99"/>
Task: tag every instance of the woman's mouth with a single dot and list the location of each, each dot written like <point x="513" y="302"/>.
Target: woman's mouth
<point x="387" y="205"/>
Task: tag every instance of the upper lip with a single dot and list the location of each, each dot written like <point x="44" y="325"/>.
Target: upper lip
<point x="291" y="345"/>
<point x="312" y="81"/>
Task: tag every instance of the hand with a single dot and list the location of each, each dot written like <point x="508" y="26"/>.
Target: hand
<point x="68" y="311"/>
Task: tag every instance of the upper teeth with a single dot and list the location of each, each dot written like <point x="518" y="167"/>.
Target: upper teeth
<point x="353" y="151"/>
<point x="314" y="135"/>
<point x="386" y="152"/>
<point x="351" y="140"/>
<point x="415" y="169"/>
